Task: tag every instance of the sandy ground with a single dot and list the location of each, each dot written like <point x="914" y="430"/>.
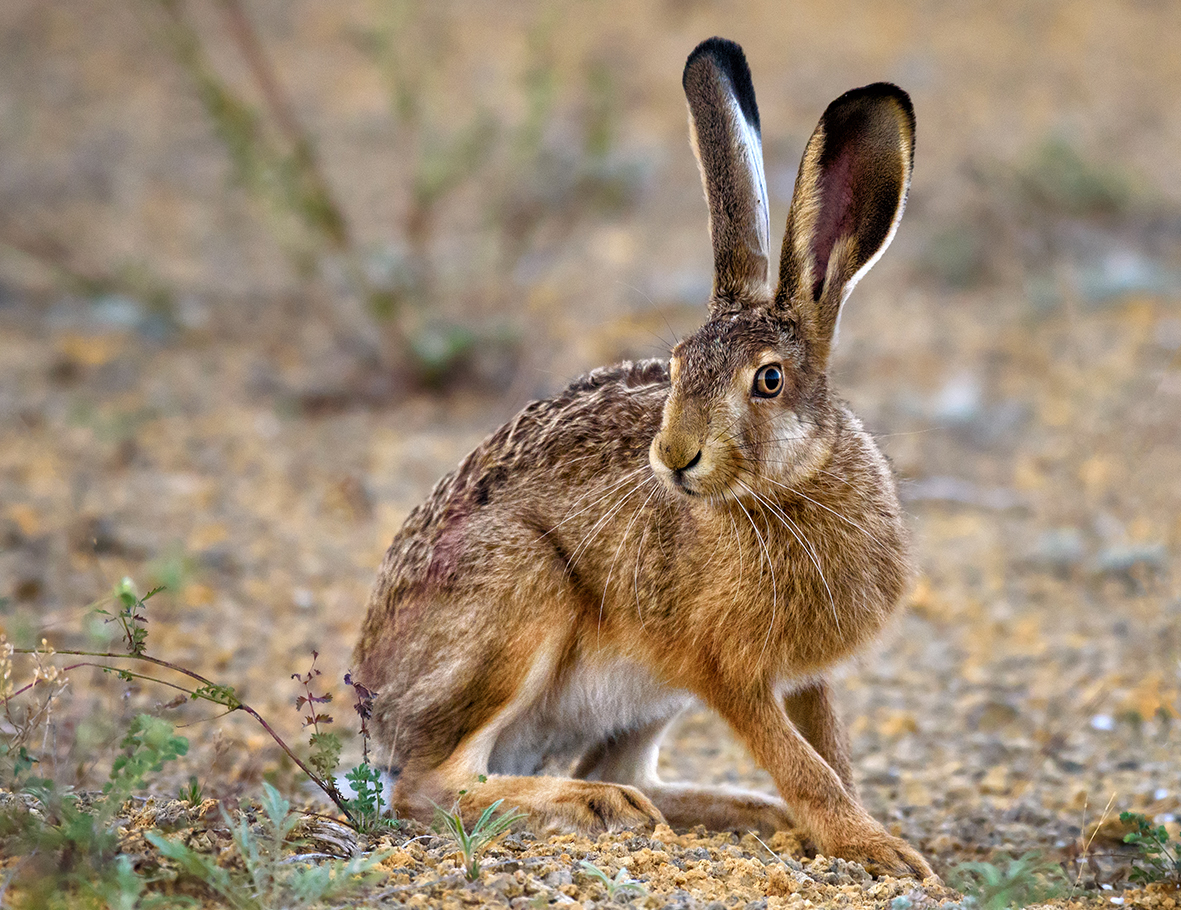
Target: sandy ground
<point x="164" y="369"/>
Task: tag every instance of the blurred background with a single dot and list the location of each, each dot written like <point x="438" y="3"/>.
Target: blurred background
<point x="268" y="268"/>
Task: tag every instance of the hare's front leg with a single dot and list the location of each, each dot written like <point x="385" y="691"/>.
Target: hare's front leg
<point x="813" y="790"/>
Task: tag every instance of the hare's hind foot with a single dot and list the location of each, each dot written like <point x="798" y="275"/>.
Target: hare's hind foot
<point x="629" y="758"/>
<point x="553" y="804"/>
<point x="719" y="808"/>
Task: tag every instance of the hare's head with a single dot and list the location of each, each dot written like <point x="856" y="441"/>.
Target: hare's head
<point x="749" y="406"/>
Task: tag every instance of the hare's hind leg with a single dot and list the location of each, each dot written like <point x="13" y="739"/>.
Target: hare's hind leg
<point x="630" y="758"/>
<point x="812" y="712"/>
<point x="463" y="778"/>
<point x="553" y="804"/>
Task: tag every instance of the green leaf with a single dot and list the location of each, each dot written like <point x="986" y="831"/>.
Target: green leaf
<point x="219" y="695"/>
<point x="325" y="755"/>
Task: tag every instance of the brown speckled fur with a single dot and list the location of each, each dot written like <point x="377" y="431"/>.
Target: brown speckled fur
<point x="659" y="533"/>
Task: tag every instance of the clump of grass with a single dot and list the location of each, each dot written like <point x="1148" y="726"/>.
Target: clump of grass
<point x="1159" y="857"/>
<point x="622" y="884"/>
<point x="270" y="877"/>
<point x="191" y="792"/>
<point x="73" y="843"/>
<point x="1060" y="178"/>
<point x="1006" y="883"/>
<point x="472" y="844"/>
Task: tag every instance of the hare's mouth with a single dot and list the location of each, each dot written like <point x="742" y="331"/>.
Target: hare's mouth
<point x="681" y="471"/>
<point x="679" y="480"/>
<point x="698" y="478"/>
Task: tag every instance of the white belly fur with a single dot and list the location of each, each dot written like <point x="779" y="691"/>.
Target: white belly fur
<point x="600" y="697"/>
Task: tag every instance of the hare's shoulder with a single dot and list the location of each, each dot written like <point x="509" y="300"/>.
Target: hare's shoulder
<point x="627" y="375"/>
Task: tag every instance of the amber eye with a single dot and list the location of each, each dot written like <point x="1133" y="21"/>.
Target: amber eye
<point x="768" y="381"/>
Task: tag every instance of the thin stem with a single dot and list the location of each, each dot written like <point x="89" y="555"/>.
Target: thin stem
<point x="243" y="34"/>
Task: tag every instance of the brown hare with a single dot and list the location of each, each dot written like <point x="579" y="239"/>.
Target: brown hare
<point x="717" y="528"/>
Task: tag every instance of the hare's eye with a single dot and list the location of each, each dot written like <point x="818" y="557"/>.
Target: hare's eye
<point x="768" y="381"/>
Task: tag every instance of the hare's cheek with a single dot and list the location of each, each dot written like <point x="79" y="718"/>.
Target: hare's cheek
<point x="785" y="444"/>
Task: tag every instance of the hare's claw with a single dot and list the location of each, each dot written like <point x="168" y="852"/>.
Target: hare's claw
<point x="594" y="807"/>
<point x="883" y="854"/>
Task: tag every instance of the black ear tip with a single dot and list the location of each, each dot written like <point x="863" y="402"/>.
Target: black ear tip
<point x="876" y="93"/>
<point x="719" y="48"/>
<point x="729" y="60"/>
<point x="868" y="104"/>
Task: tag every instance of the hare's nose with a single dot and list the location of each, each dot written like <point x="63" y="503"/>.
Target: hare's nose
<point x="687" y="465"/>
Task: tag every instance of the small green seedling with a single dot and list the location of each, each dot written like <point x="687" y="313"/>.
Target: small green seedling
<point x="1160" y="858"/>
<point x="367" y="806"/>
<point x="620" y="885"/>
<point x="486" y="830"/>
<point x="271" y="876"/>
<point x="191" y="792"/>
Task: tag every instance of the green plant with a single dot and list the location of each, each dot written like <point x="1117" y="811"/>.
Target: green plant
<point x="368" y="804"/>
<point x="273" y="156"/>
<point x="131" y="615"/>
<point x="270" y="877"/>
<point x="325" y="756"/>
<point x="1059" y="177"/>
<point x="191" y="792"/>
<point x="122" y="888"/>
<point x="488" y="828"/>
<point x="1008" y="884"/>
<point x="1159" y="858"/>
<point x="621" y="884"/>
<point x="73" y="843"/>
<point x="150" y="743"/>
<point x="132" y="618"/>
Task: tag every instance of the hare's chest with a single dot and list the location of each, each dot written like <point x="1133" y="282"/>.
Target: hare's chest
<point x="791" y="609"/>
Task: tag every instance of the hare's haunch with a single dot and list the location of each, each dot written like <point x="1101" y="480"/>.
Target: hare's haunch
<point x="715" y="528"/>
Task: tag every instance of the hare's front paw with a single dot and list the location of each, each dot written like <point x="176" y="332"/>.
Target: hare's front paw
<point x="880" y="853"/>
<point x="593" y="808"/>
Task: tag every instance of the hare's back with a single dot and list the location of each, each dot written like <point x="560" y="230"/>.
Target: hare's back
<point x="598" y="427"/>
<point x="539" y="469"/>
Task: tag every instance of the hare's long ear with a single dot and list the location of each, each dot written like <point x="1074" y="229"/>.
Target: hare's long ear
<point x="846" y="207"/>
<point x="724" y="128"/>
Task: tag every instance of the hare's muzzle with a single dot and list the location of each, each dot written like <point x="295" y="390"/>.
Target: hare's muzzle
<point x="676" y="453"/>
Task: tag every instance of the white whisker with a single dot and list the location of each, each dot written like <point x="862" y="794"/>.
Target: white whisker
<point x="636" y="575"/>
<point x="798" y="533"/>
<point x="622" y="540"/>
<point x="770" y="564"/>
<point x="615" y="486"/>
<point x="588" y="538"/>
<point x="843" y="518"/>
<point x="737" y="540"/>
